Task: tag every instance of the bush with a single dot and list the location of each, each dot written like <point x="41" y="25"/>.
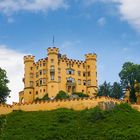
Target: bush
<point x="62" y="95"/>
<point x="80" y="94"/>
<point x="43" y="99"/>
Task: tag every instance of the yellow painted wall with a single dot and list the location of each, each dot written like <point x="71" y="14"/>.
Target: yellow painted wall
<point x="76" y="104"/>
<point x="5" y="109"/>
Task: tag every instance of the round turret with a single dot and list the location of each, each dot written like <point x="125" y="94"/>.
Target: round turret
<point x="91" y="56"/>
<point x="53" y="50"/>
<point x="29" y="58"/>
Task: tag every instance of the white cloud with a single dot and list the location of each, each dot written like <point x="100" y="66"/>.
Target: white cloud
<point x="101" y="21"/>
<point x="10" y="6"/>
<point x="12" y="62"/>
<point x="129" y="10"/>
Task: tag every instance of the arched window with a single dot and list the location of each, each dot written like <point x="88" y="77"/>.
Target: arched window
<point x="70" y="71"/>
<point x="22" y="100"/>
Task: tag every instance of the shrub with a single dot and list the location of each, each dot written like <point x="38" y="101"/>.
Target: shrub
<point x="43" y="99"/>
<point x="62" y="95"/>
<point x="80" y="94"/>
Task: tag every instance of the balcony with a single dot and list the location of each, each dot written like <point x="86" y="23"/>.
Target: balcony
<point x="52" y="70"/>
<point x="69" y="83"/>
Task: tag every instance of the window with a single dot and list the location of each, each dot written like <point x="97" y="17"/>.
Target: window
<point x="37" y="67"/>
<point x="36" y="74"/>
<point x="52" y="60"/>
<point x="70" y="71"/>
<point x="52" y="76"/>
<point x="40" y="72"/>
<point x="44" y="64"/>
<point x="79" y="73"/>
<point x="70" y="80"/>
<point x="89" y="73"/>
<point x="37" y="83"/>
<point x="31" y="68"/>
<point x="31" y="75"/>
<point x="84" y="74"/>
<point x="44" y="90"/>
<point x="44" y="81"/>
<point x="36" y="92"/>
<point x="78" y="65"/>
<point x="30" y="92"/>
<point x="88" y="66"/>
<point x="84" y="66"/>
<point x="44" y="72"/>
<point x="40" y="82"/>
<point x="89" y="82"/>
<point x="59" y="70"/>
<point x="59" y="79"/>
<point x="84" y="82"/>
<point x="79" y="81"/>
<point x="31" y="83"/>
<point x="40" y="64"/>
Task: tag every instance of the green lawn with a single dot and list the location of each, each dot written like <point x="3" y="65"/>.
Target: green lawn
<point x="122" y="123"/>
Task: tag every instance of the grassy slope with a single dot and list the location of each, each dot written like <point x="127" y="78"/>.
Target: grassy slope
<point x="122" y="123"/>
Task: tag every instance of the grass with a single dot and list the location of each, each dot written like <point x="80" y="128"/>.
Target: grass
<point x="121" y="123"/>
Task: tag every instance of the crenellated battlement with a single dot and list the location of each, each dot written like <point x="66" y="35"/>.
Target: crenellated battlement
<point x="91" y="56"/>
<point x="75" y="103"/>
<point x="29" y="58"/>
<point x="53" y="50"/>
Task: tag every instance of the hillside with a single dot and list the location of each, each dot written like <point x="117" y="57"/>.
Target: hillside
<point x="122" y="123"/>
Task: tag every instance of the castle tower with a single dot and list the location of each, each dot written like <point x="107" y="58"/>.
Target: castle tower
<point x="127" y="95"/>
<point x="53" y="88"/>
<point x="28" y="78"/>
<point x="91" y="74"/>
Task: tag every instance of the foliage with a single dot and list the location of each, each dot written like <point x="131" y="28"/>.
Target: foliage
<point x="62" y="95"/>
<point x="4" y="90"/>
<point x="45" y="98"/>
<point x="2" y="124"/>
<point x="80" y="94"/>
<point x="129" y="73"/>
<point x="104" y="89"/>
<point x="121" y="123"/>
<point x="114" y="91"/>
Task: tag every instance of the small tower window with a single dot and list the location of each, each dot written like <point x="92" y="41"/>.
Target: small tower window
<point x="89" y="82"/>
<point x="79" y="81"/>
<point x="79" y="73"/>
<point x="40" y="82"/>
<point x="52" y="76"/>
<point x="40" y="72"/>
<point x="31" y="83"/>
<point x="84" y="82"/>
<point x="84" y="74"/>
<point x="52" y="60"/>
<point x="59" y="79"/>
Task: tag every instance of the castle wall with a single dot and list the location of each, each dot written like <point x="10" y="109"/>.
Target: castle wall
<point x="5" y="109"/>
<point x="75" y="104"/>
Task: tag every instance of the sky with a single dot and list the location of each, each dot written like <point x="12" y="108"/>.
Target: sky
<point x="109" y="28"/>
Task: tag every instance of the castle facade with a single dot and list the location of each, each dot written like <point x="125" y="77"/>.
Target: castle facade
<point x="57" y="72"/>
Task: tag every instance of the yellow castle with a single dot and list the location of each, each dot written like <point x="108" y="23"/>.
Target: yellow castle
<point x="56" y="72"/>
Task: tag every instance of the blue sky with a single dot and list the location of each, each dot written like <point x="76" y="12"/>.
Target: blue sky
<point x="110" y="28"/>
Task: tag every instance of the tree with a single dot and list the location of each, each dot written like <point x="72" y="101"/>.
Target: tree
<point x="4" y="90"/>
<point x="104" y="89"/>
<point x="116" y="91"/>
<point x="129" y="73"/>
<point x="62" y="95"/>
<point x="80" y="94"/>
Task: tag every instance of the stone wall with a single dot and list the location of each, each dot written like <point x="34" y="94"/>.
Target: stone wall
<point x="75" y="104"/>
